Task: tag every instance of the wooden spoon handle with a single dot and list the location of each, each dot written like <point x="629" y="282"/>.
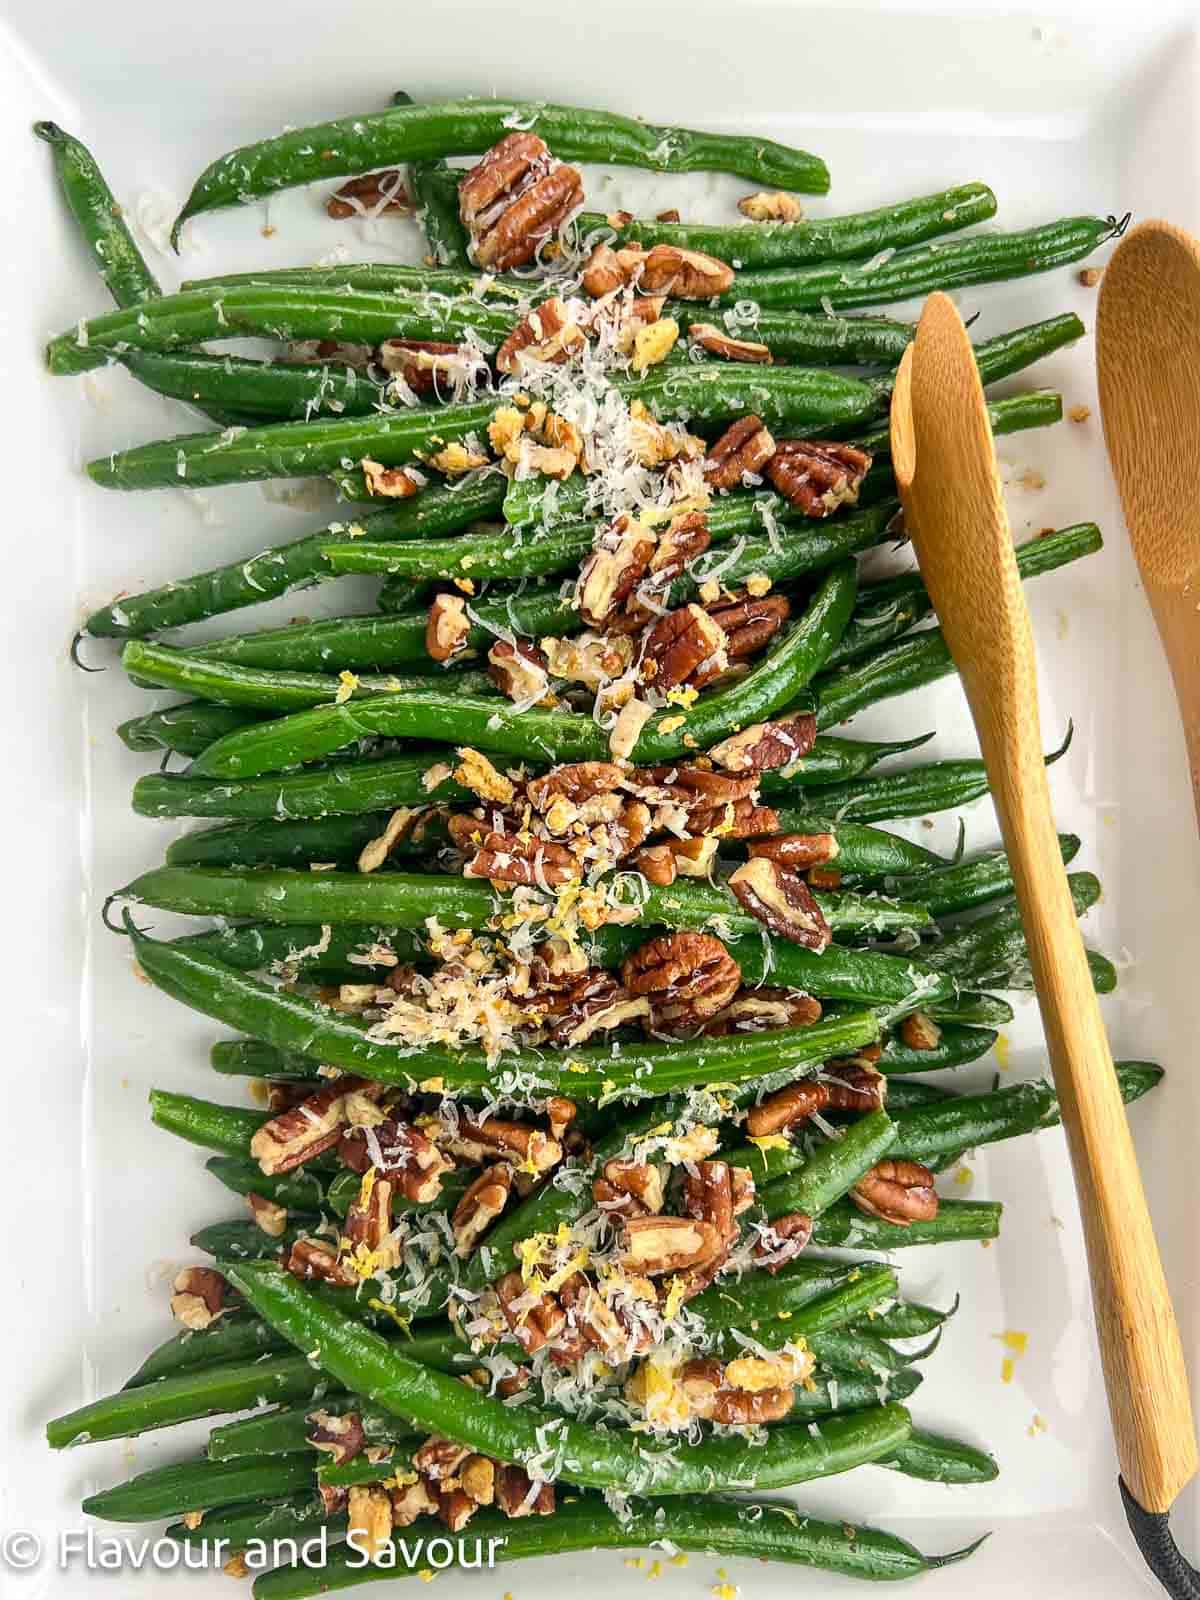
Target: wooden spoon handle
<point x="1179" y="627"/>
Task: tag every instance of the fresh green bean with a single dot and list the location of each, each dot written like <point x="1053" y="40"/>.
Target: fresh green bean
<point x="888" y="609"/>
<point x="260" y="390"/>
<point x="299" y="1190"/>
<point x="865" y="977"/>
<point x="837" y="1166"/>
<point x="842" y="1227"/>
<point x="186" y="729"/>
<point x="231" y="1529"/>
<point x="239" y="1240"/>
<point x="437" y="213"/>
<point x="307" y="948"/>
<point x="270" y="1433"/>
<point x="336" y="841"/>
<point x="293" y="1022"/>
<point x="964" y="884"/>
<point x="197" y="1485"/>
<point x="383" y="277"/>
<point x="972" y="1010"/>
<point x="938" y="1459"/>
<point x="956" y="1047"/>
<point x="996" y="942"/>
<point x="862" y="852"/>
<point x="841" y="1351"/>
<point x="235" y="1336"/>
<point x="907" y="1319"/>
<point x="95" y="209"/>
<point x="781" y="244"/>
<point x="469" y="127"/>
<point x="230" y="1387"/>
<point x="226" y="1129"/>
<point x="941" y="264"/>
<point x="337" y="789"/>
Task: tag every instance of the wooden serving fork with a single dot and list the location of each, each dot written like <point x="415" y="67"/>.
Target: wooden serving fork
<point x="945" y="466"/>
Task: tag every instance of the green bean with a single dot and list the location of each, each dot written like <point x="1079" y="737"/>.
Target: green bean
<point x="780" y="244"/>
<point x="186" y="729"/>
<point x="336" y="841"/>
<point x="239" y="1240"/>
<point x="888" y="609"/>
<point x="305" y="948"/>
<point x="232" y="1386"/>
<point x="972" y="1010"/>
<point x="956" y="1046"/>
<point x="942" y="264"/>
<point x="95" y="209"/>
<point x="866" y="977"/>
<point x="236" y="1528"/>
<point x="938" y="1459"/>
<point x="292" y="1022"/>
<point x="862" y="852"/>
<point x="437" y="212"/>
<point x="369" y="1365"/>
<point x="842" y="1227"/>
<point x="469" y="127"/>
<point x="841" y="1351"/>
<point x="907" y="1319"/>
<point x="299" y="1190"/>
<point x="226" y="1129"/>
<point x="801" y="336"/>
<point x="851" y="1392"/>
<point x="996" y="942"/>
<point x="197" y="1485"/>
<point x="383" y="277"/>
<point x="341" y="788"/>
<point x="285" y="311"/>
<point x="770" y="1531"/>
<point x="964" y="884"/>
<point x="161" y="666"/>
<point x="271" y="1433"/>
<point x="282" y="567"/>
<point x="235" y="1336"/>
<point x="974" y="1119"/>
<point x="837" y="1166"/>
<point x="260" y="390"/>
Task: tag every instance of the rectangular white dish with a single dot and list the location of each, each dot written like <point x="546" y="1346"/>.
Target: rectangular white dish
<point x="1063" y="114"/>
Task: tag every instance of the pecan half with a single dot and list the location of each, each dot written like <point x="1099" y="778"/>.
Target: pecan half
<point x="420" y="362"/>
<point x="771" y="206"/>
<point x="713" y="1398"/>
<point x="613" y="569"/>
<point x="307" y="1130"/>
<point x="341" y="1437"/>
<point x="901" y="1192"/>
<point x="447" y="628"/>
<point x="549" y="333"/>
<point x="750" y="624"/>
<point x="686" y="274"/>
<point x="856" y="1086"/>
<point x="655" y="1245"/>
<point x="701" y="784"/>
<point x="369" y="1217"/>
<point x="767" y="745"/>
<point x="438" y="1459"/>
<point x="369" y="195"/>
<point x="607" y="269"/>
<point x="736" y="819"/>
<point x="781" y="901"/>
<point x="577" y="781"/>
<point x="708" y="1196"/>
<point x="746" y="446"/>
<point x="389" y="483"/>
<point x="534" y="1320"/>
<point x="410" y="1161"/>
<point x="920" y="1032"/>
<point x="308" y="1259"/>
<point x="794" y="1103"/>
<point x="687" y="977"/>
<point x="508" y="1141"/>
<point x="596" y="1004"/>
<point x="629" y="1188"/>
<point x="755" y="1010"/>
<point x="817" y="476"/>
<point x="683" y="539"/>
<point x="518" y="1496"/>
<point x="519" y="671"/>
<point x="682" y="644"/>
<point x="796" y="850"/>
<point x="514" y="199"/>
<point x="783" y="1240"/>
<point x="656" y="863"/>
<point x="511" y="858"/>
<point x="199" y="1297"/>
<point x="719" y="343"/>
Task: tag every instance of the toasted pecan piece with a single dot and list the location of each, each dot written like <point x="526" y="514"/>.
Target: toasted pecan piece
<point x="447" y="628"/>
<point x="818" y="475"/>
<point x="514" y="199"/>
<point x="746" y="446"/>
<point x="798" y="851"/>
<point x="781" y="900"/>
<point x="682" y="645"/>
<point x="719" y="343"/>
<point x="766" y="745"/>
<point x="549" y="333"/>
<point x="687" y="977"/>
<point x="369" y="195"/>
<point x="900" y="1192"/>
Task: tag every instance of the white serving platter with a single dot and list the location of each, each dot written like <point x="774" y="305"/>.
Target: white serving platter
<point x="1065" y="113"/>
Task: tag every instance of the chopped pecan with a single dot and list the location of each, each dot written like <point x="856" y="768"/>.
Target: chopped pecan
<point x="447" y="629"/>
<point x="817" y="475"/>
<point x="711" y="1396"/>
<point x="683" y="539"/>
<point x="370" y="1520"/>
<point x="596" y="1004"/>
<point x="334" y="1498"/>
<point x="751" y="623"/>
<point x="754" y="1010"/>
<point x="269" y="1216"/>
<point x="479" y="1207"/>
<point x="920" y="1032"/>
<point x="577" y="781"/>
<point x="771" y="206"/>
<point x="613" y="569"/>
<point x="456" y="458"/>
<point x="476" y="772"/>
<point x="455" y="1508"/>
<point x="607" y="269"/>
<point x="708" y="1196"/>
<point x="736" y="819"/>
<point x="407" y="1159"/>
<point x="656" y="443"/>
<point x="686" y="274"/>
<point x="509" y="1141"/>
<point x="478" y="1476"/>
<point x="796" y="850"/>
<point x="781" y="901"/>
<point x="438" y="1459"/>
<point x="655" y="1245"/>
<point x="766" y="745"/>
<point x="519" y="671"/>
<point x="390" y="483"/>
<point x="518" y="1496"/>
<point x="719" y="343"/>
<point x="560" y="1114"/>
<point x="342" y="1437"/>
<point x="670" y="215"/>
<point x="794" y="1103"/>
<point x="410" y="1501"/>
<point x="510" y="858"/>
<point x="534" y="1320"/>
<point x="369" y="1217"/>
<point x="514" y="199"/>
<point x="681" y="645"/>
<point x="589" y="659"/>
<point x="746" y="446"/>
<point x="308" y="1259"/>
<point x="369" y="195"/>
<point x="901" y="1192"/>
<point x="283" y="1096"/>
<point x="421" y="362"/>
<point x="824" y="878"/>
<point x="782" y="1240"/>
<point x="305" y="1131"/>
<point x="656" y="863"/>
<point x="687" y="977"/>
<point x="549" y="333"/>
<point x="856" y="1086"/>
<point x="629" y="1188"/>
<point x="336" y="350"/>
<point x="743" y="1189"/>
<point x="702" y="784"/>
<point x="199" y="1297"/>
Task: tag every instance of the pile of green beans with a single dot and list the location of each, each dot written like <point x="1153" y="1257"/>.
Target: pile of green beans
<point x="305" y="740"/>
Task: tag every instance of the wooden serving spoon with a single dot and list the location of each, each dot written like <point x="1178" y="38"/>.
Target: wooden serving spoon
<point x="1148" y="359"/>
<point x="946" y="468"/>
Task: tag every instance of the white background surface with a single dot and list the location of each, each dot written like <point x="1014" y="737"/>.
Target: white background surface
<point x="1067" y="114"/>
